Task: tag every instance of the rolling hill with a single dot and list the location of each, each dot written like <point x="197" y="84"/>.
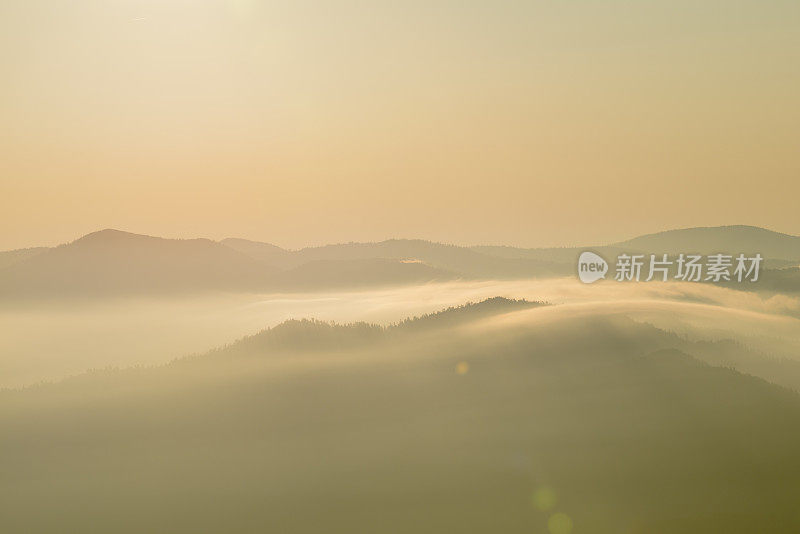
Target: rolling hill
<point x="779" y="250"/>
<point x="485" y="422"/>
<point x="264" y="252"/>
<point x="114" y="262"/>
<point x="712" y="240"/>
<point x="463" y="261"/>
<point x="111" y="262"/>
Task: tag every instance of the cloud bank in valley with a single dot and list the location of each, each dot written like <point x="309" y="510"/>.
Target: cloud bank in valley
<point x="125" y="332"/>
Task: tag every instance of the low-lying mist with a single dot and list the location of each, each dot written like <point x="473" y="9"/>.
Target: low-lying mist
<point x="48" y="340"/>
<point x="504" y="415"/>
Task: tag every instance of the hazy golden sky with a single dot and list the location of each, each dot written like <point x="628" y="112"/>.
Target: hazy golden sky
<point x="525" y="122"/>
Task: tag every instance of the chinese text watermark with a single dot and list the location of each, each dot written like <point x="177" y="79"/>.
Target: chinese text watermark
<point x="713" y="268"/>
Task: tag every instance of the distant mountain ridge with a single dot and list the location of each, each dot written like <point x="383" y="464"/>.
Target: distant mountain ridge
<point x="729" y="239"/>
<point x="116" y="262"/>
<point x="112" y="262"/>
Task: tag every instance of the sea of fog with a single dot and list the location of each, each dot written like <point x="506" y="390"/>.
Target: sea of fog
<point x="47" y="341"/>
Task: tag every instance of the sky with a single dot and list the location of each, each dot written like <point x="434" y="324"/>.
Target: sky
<point x="529" y="123"/>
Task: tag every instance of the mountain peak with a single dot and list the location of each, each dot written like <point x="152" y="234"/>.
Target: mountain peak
<point x="108" y="235"/>
<point x="732" y="229"/>
<point x="713" y="239"/>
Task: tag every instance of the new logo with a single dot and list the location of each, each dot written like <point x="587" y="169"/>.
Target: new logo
<point x="591" y="267"/>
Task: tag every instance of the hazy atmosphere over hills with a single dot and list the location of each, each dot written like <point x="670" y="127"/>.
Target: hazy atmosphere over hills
<point x="491" y="416"/>
<point x="113" y="262"/>
<point x="237" y="386"/>
<point x="399" y="267"/>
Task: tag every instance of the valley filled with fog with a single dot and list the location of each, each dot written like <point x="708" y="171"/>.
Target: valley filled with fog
<point x="156" y="385"/>
<point x="46" y="340"/>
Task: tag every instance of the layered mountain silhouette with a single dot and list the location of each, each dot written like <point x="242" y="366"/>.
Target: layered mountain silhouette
<point x="112" y="262"/>
<point x="465" y="261"/>
<point x="778" y="250"/>
<point x="481" y="419"/>
<point x="713" y="240"/>
<point x="263" y="252"/>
